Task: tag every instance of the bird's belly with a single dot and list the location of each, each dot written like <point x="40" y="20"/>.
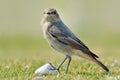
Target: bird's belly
<point x="61" y="47"/>
<point x="64" y="48"/>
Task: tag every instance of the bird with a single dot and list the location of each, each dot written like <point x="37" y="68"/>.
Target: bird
<point x="62" y="39"/>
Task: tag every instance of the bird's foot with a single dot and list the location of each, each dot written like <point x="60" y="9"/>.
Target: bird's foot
<point x="58" y="69"/>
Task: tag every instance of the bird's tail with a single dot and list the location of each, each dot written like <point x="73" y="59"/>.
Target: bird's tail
<point x="101" y="64"/>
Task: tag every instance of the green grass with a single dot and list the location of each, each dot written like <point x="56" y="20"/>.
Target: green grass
<point x="21" y="55"/>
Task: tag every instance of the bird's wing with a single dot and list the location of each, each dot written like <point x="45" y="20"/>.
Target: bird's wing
<point x="64" y="29"/>
<point x="68" y="40"/>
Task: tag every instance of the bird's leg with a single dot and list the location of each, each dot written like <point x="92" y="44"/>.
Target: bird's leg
<point x="69" y="60"/>
<point x="62" y="63"/>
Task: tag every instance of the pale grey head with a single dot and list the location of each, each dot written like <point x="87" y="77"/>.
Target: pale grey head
<point x="51" y="15"/>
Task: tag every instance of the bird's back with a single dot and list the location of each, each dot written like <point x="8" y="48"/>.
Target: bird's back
<point x="65" y="30"/>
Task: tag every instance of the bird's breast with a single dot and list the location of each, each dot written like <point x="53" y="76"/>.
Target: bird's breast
<point x="45" y="29"/>
<point x="63" y="48"/>
<point x="57" y="45"/>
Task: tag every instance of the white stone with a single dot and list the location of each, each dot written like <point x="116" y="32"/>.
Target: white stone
<point x="47" y="69"/>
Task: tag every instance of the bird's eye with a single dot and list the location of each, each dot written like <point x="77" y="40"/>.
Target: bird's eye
<point x="48" y="13"/>
<point x="54" y="12"/>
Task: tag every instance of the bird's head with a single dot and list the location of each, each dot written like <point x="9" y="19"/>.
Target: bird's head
<point x="51" y="15"/>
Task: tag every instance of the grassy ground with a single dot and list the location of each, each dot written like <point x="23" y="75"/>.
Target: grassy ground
<point x="20" y="56"/>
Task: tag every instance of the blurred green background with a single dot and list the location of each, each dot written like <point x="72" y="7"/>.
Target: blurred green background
<point x="96" y="23"/>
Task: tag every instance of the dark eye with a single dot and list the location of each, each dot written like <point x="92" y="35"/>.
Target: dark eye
<point x="54" y="12"/>
<point x="48" y="13"/>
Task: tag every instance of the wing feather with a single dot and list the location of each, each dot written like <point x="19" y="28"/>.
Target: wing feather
<point x="68" y="40"/>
